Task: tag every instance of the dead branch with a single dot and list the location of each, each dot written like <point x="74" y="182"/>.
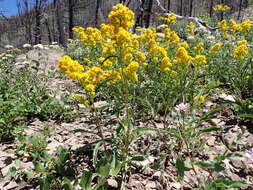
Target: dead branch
<point x="201" y="25"/>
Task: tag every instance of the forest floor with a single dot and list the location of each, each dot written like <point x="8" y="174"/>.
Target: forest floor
<point x="234" y="136"/>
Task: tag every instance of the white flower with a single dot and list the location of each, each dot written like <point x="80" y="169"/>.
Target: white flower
<point x="210" y="38"/>
<point x="190" y="38"/>
<point x="182" y="107"/>
<point x="27" y="46"/>
<point x="8" y="47"/>
<point x="38" y="46"/>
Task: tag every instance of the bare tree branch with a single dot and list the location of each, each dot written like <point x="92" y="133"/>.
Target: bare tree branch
<point x="202" y="25"/>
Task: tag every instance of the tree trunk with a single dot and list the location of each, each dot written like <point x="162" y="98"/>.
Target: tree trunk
<point x="37" y="22"/>
<point x="59" y="17"/>
<point x="53" y="21"/>
<point x="191" y="6"/>
<point x="246" y="4"/>
<point x="48" y="31"/>
<point x="96" y="12"/>
<point x="240" y="9"/>
<point x="148" y="14"/>
<point x="211" y="8"/>
<point x="168" y="6"/>
<point x="71" y="14"/>
<point x="139" y="15"/>
<point x="181" y="7"/>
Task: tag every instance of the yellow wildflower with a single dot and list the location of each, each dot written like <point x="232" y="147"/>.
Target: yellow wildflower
<point x="91" y="89"/>
<point x="26" y="155"/>
<point x="199" y="61"/>
<point x="216" y="47"/>
<point x="246" y="25"/>
<point x="199" y="48"/>
<point x="182" y="55"/>
<point x="241" y="50"/>
<point x="121" y="16"/>
<point x="165" y="63"/>
<point x="184" y="44"/>
<point x="199" y="100"/>
<point x="221" y="7"/>
<point x="190" y="28"/>
<point x="170" y="18"/>
<point x="131" y="70"/>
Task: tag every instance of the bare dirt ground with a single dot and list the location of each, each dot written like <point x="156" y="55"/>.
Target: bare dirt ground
<point x="235" y="136"/>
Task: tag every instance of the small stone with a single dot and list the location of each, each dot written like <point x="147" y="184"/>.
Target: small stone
<point x="176" y="185"/>
<point x="211" y="141"/>
<point x="11" y="185"/>
<point x="99" y="104"/>
<point x="238" y="162"/>
<point x="146" y="162"/>
<point x="150" y="185"/>
<point x="6" y="169"/>
<point x="157" y="175"/>
<point x="215" y="121"/>
<point x="226" y="97"/>
<point x="112" y="183"/>
<point x="135" y="185"/>
<point x="209" y="104"/>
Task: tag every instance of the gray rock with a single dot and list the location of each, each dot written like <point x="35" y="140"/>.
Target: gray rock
<point x="112" y="183"/>
<point x="10" y="185"/>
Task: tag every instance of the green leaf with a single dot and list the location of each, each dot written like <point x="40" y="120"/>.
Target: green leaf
<point x="115" y="167"/>
<point x="67" y="185"/>
<point x="95" y="153"/>
<point x="224" y="184"/>
<point x="11" y="172"/>
<point x="246" y="116"/>
<point x="86" y="180"/>
<point x="39" y="167"/>
<point x="104" y="169"/>
<point x="209" y="115"/>
<point x="18" y="163"/>
<point x="155" y="166"/>
<point x="30" y="174"/>
<point x="138" y="158"/>
<point x="181" y="167"/>
<point x="207" y="130"/>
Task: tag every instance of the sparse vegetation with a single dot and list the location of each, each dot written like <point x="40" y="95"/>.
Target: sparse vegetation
<point x="166" y="107"/>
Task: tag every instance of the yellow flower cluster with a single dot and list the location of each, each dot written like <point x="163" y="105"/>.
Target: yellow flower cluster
<point x="199" y="48"/>
<point x="70" y="67"/>
<point x="199" y="61"/>
<point x="90" y="36"/>
<point x="236" y="28"/>
<point x="241" y="50"/>
<point x="115" y="55"/>
<point x="199" y="100"/>
<point x="246" y="25"/>
<point x="172" y="36"/>
<point x="131" y="71"/>
<point x="221" y="7"/>
<point x="223" y="25"/>
<point x="216" y="47"/>
<point x="165" y="64"/>
<point x="182" y="56"/>
<point x="190" y="28"/>
<point x="89" y="78"/>
<point x="240" y="28"/>
<point x="121" y="16"/>
<point x="170" y="18"/>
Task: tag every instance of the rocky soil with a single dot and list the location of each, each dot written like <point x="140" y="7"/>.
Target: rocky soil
<point x="235" y="137"/>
